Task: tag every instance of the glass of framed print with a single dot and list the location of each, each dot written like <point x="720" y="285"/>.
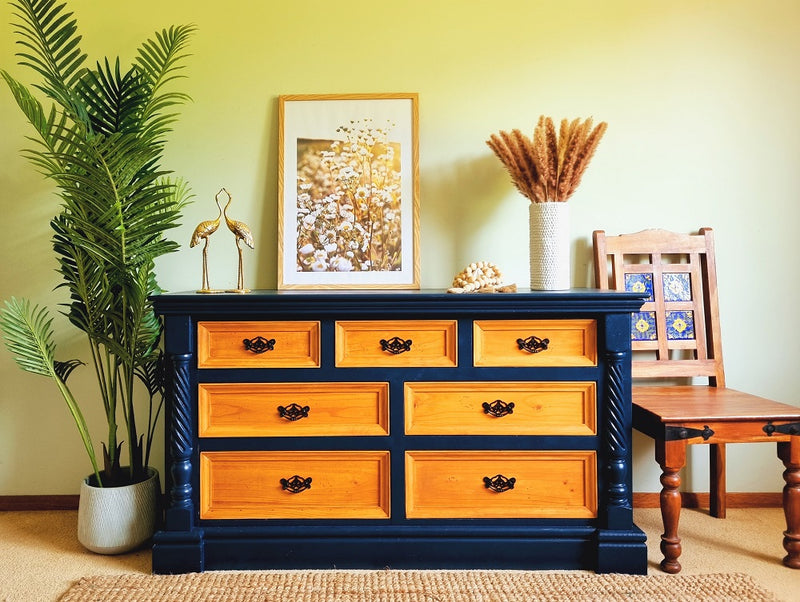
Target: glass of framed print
<point x="348" y="191"/>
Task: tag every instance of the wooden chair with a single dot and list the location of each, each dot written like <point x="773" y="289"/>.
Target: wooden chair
<point x="679" y="326"/>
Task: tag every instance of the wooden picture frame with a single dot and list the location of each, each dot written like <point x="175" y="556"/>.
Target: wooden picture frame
<point x="348" y="191"/>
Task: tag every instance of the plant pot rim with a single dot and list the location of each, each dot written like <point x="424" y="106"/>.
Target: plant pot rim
<point x="150" y="473"/>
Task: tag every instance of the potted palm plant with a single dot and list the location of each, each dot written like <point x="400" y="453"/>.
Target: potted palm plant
<point x="101" y="143"/>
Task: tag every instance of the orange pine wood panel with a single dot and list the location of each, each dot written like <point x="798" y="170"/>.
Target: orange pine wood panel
<point x="569" y="342"/>
<point x="225" y="344"/>
<point x="248" y="484"/>
<point x="500" y="408"/>
<point x="293" y="409"/>
<point x="429" y="343"/>
<point x="548" y="484"/>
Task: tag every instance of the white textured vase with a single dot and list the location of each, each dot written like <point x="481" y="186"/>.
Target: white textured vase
<point x="549" y="246"/>
<point x="113" y="520"/>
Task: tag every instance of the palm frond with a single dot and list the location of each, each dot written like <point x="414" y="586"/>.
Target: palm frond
<point x="51" y="47"/>
<point x="114" y="100"/>
<point x="64" y="369"/>
<point x="160" y="62"/>
<point x="28" y="334"/>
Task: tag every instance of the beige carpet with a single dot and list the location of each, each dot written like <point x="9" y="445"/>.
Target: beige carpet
<point x="413" y="586"/>
<point x="40" y="557"/>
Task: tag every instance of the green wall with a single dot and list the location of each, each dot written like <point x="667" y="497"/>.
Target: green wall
<point x="701" y="98"/>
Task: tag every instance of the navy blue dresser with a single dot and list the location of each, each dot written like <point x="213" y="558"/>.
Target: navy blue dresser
<point x="401" y="429"/>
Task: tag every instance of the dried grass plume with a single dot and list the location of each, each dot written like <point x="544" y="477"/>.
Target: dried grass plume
<point x="549" y="166"/>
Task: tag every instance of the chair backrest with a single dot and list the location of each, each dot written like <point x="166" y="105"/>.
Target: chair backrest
<point x="679" y="322"/>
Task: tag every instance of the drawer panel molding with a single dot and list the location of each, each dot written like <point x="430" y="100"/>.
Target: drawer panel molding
<point x="501" y="484"/>
<point x="286" y="484"/>
<point x="396" y="343"/>
<point x="530" y="343"/>
<point x="259" y="344"/>
<point x="500" y="408"/>
<point x="318" y="409"/>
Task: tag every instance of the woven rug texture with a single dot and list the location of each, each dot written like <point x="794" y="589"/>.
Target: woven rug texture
<point x="412" y="586"/>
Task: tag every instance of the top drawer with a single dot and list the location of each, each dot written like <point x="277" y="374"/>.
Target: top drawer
<point x="535" y="343"/>
<point x="396" y="343"/>
<point x="258" y="344"/>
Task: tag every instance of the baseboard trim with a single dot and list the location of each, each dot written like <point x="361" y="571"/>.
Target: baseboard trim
<point x="701" y="500"/>
<point x="38" y="502"/>
<point x="640" y="500"/>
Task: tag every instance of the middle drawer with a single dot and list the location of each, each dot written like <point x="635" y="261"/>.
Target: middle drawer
<point x="500" y="408"/>
<point x="293" y="409"/>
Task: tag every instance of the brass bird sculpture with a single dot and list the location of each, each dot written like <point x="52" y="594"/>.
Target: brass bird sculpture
<point x="203" y="232"/>
<point x="242" y="233"/>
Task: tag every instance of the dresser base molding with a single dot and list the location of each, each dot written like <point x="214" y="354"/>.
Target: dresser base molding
<point x="543" y="548"/>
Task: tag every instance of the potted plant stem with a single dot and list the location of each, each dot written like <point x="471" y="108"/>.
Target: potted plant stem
<point x="101" y="143"/>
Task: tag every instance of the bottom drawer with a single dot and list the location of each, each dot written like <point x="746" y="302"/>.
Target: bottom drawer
<point x="501" y="484"/>
<point x="334" y="484"/>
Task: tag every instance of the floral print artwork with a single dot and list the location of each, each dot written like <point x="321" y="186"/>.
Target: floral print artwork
<point x="348" y="201"/>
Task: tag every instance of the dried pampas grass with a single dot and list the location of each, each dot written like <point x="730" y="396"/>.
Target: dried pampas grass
<point x="548" y="167"/>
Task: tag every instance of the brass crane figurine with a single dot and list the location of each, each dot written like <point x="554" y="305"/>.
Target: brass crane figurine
<point x="242" y="233"/>
<point x="203" y="232"/>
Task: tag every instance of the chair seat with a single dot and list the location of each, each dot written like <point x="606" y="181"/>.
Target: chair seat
<point x="660" y="411"/>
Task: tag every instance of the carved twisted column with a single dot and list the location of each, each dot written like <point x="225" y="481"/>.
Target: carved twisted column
<point x="179" y="513"/>
<point x="616" y="436"/>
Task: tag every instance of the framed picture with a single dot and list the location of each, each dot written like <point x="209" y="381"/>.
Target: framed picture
<point x="348" y="191"/>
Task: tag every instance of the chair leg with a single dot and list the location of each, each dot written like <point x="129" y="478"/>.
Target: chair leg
<point x="718" y="499"/>
<point x="671" y="456"/>
<point x="789" y="453"/>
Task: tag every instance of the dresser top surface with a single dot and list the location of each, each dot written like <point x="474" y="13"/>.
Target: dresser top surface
<point x="431" y="301"/>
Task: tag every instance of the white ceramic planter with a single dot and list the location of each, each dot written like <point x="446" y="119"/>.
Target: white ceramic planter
<point x="549" y="246"/>
<point x="113" y="520"/>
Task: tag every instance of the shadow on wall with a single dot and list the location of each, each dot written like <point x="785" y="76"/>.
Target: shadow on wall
<point x="582" y="263"/>
<point x="457" y="200"/>
<point x="267" y="256"/>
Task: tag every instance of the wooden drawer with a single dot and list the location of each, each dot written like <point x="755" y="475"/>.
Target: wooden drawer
<point x="396" y="343"/>
<point x="344" y="484"/>
<point x="500" y="408"/>
<point x="535" y="342"/>
<point x="548" y="484"/>
<point x="258" y="344"/>
<point x="293" y="409"/>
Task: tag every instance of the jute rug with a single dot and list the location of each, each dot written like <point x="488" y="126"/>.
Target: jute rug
<point x="412" y="586"/>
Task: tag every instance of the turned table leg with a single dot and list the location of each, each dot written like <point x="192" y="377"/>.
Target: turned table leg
<point x="671" y="456"/>
<point x="718" y="506"/>
<point x="789" y="453"/>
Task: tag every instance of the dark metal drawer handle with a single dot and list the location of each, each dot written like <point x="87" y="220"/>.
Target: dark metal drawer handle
<point x="533" y="344"/>
<point x="498" y="408"/>
<point x="259" y="344"/>
<point x="293" y="412"/>
<point x="396" y="345"/>
<point x="296" y="484"/>
<point x="499" y="483"/>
